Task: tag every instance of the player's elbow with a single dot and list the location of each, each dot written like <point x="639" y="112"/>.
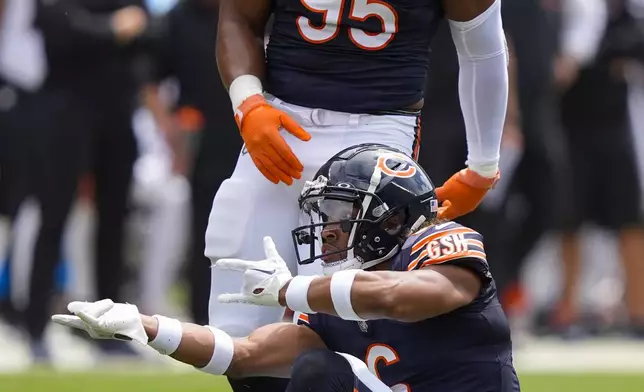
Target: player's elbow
<point x="406" y="305"/>
<point x="242" y="362"/>
<point x="395" y="303"/>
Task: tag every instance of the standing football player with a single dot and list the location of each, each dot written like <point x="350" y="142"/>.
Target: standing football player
<point x="412" y="297"/>
<point x="337" y="73"/>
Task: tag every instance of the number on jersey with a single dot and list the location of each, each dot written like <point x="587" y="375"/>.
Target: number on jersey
<point x="383" y="352"/>
<point x="361" y="10"/>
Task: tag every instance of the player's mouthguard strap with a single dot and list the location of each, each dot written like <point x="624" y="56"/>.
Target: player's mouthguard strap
<point x="222" y="355"/>
<point x="341" y="283"/>
<point x="169" y="335"/>
<point x="297" y="294"/>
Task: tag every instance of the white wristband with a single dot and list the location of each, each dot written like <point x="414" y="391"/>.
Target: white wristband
<point x="341" y="283"/>
<point x="169" y="335"/>
<point x="243" y="87"/>
<point x="488" y="171"/>
<point x="222" y="356"/>
<point x="297" y="294"/>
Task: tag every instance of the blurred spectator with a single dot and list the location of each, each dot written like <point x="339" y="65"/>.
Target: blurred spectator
<point x="22" y="71"/>
<point x="606" y="183"/>
<point x="84" y="122"/>
<point x="535" y="198"/>
<point x="200" y="127"/>
<point x="159" y="221"/>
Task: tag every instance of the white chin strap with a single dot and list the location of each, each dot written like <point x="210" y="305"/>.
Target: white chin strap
<point x="347" y="264"/>
<point x="354" y="263"/>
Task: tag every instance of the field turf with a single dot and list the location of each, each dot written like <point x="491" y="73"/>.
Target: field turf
<point x="47" y="381"/>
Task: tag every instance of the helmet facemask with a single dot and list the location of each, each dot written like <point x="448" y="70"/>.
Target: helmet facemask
<point x="346" y="228"/>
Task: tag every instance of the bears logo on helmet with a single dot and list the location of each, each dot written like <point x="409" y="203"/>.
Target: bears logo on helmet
<point x="401" y="167"/>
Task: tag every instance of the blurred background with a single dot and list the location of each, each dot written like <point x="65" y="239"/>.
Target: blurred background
<point x="115" y="133"/>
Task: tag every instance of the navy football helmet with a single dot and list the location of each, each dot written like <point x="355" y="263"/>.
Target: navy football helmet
<point x="360" y="208"/>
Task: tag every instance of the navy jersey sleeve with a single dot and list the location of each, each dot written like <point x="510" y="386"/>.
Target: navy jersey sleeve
<point x="312" y="321"/>
<point x="450" y="243"/>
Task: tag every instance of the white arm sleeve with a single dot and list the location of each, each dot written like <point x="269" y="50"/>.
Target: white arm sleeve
<point x="483" y="86"/>
<point x="584" y="23"/>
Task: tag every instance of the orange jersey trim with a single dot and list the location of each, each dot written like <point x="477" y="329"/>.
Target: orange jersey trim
<point x="417" y="260"/>
<point x="303" y="317"/>
<point x="475" y="243"/>
<point x="440" y="260"/>
<point x="422" y="243"/>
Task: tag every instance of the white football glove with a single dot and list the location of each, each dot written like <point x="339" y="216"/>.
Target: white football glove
<point x="105" y="320"/>
<point x="263" y="279"/>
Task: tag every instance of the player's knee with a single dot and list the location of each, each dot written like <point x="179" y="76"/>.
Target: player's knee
<point x="259" y="384"/>
<point x="315" y="366"/>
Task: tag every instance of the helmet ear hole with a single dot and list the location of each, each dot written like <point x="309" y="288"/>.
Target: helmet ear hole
<point x="394" y="223"/>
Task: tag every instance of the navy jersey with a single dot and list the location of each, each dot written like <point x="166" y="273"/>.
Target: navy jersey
<point x="357" y="56"/>
<point x="468" y="349"/>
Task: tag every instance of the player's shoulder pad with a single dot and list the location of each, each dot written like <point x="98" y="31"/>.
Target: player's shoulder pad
<point x="445" y="242"/>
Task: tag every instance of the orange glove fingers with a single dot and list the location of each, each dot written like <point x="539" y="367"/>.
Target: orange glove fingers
<point x="260" y="128"/>
<point x="462" y="193"/>
<point x="284" y="151"/>
<point x="441" y="193"/>
<point x="294" y="128"/>
<point x="459" y="202"/>
<point x="270" y="166"/>
<point x="443" y="211"/>
<point x="262" y="169"/>
<point x="449" y="211"/>
<point x="280" y="162"/>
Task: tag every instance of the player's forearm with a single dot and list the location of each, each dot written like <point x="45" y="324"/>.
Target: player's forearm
<point x="262" y="353"/>
<point x="240" y="39"/>
<point x="265" y="353"/>
<point x="197" y="342"/>
<point x="367" y="294"/>
<point x="483" y="86"/>
<point x="378" y="295"/>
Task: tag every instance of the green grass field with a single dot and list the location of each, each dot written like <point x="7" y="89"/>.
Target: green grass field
<point x="44" y="381"/>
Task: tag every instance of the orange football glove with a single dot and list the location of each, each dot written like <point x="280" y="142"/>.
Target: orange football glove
<point x="462" y="193"/>
<point x="259" y="124"/>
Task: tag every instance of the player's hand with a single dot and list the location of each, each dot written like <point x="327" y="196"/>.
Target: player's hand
<point x="105" y="320"/>
<point x="263" y="279"/>
<point x="260" y="124"/>
<point x="462" y="193"/>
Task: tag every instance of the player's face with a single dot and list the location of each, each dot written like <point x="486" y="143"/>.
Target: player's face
<point x="332" y="232"/>
<point x="334" y="239"/>
<point x="335" y="235"/>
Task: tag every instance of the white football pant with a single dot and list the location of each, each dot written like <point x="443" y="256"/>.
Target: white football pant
<point x="248" y="207"/>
